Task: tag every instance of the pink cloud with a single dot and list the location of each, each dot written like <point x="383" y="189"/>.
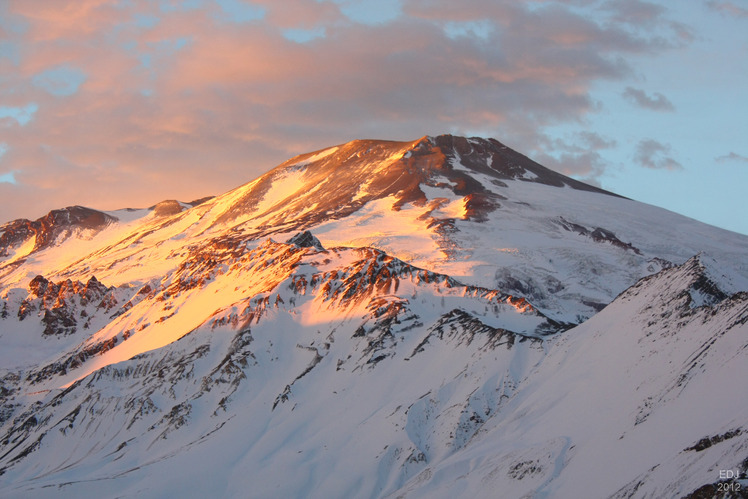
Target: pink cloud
<point x="63" y="20"/>
<point x="194" y="104"/>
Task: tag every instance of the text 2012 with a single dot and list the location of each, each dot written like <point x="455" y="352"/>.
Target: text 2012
<point x="728" y="487"/>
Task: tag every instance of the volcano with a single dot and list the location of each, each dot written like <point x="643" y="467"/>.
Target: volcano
<point x="436" y="318"/>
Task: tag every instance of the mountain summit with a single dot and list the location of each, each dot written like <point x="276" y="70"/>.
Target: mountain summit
<point x="470" y="208"/>
<point x="335" y="182"/>
<point x="374" y="319"/>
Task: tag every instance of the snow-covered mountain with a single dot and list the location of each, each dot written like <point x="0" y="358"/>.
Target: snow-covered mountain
<point x="435" y="318"/>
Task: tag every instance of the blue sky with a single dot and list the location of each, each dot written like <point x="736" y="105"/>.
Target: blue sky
<point x="111" y="103"/>
<point x="704" y="131"/>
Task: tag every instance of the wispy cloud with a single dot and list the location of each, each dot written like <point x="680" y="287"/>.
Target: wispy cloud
<point x="635" y="12"/>
<point x="728" y="8"/>
<point x="657" y="102"/>
<point x="579" y="156"/>
<point x="733" y="157"/>
<point x="655" y="155"/>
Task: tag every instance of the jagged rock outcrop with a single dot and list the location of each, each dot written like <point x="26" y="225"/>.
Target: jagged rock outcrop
<point x="306" y="240"/>
<point x="66" y="306"/>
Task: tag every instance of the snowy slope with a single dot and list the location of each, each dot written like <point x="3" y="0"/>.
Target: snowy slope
<point x="621" y="403"/>
<point x="398" y="397"/>
<point x="469" y="208"/>
<point x="433" y="339"/>
<point x="328" y="322"/>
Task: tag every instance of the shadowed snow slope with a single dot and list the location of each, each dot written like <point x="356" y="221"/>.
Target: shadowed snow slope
<point x="329" y="385"/>
<point x="445" y="318"/>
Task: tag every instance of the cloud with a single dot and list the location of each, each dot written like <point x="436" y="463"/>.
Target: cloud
<point x="139" y="101"/>
<point x="635" y="12"/>
<point x="587" y="166"/>
<point x="578" y="155"/>
<point x="655" y="155"/>
<point x="596" y="141"/>
<point x="64" y="21"/>
<point x="732" y="157"/>
<point x="728" y="8"/>
<point x="640" y="98"/>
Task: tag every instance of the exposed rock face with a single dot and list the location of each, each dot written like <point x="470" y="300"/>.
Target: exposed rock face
<point x="67" y="305"/>
<point x="493" y="158"/>
<point x="172" y="206"/>
<point x="168" y="207"/>
<point x="200" y="201"/>
<point x="597" y="234"/>
<point x="306" y="240"/>
<point x="398" y="169"/>
<point x="49" y="228"/>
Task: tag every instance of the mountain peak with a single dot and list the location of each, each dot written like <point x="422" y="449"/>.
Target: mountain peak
<point x="306" y="240"/>
<point x="55" y="224"/>
<point x="339" y="180"/>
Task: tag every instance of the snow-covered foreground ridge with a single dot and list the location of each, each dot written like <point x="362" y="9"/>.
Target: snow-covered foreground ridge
<point x="464" y="322"/>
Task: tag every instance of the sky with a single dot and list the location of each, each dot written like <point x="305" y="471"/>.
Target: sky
<point x="125" y="103"/>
